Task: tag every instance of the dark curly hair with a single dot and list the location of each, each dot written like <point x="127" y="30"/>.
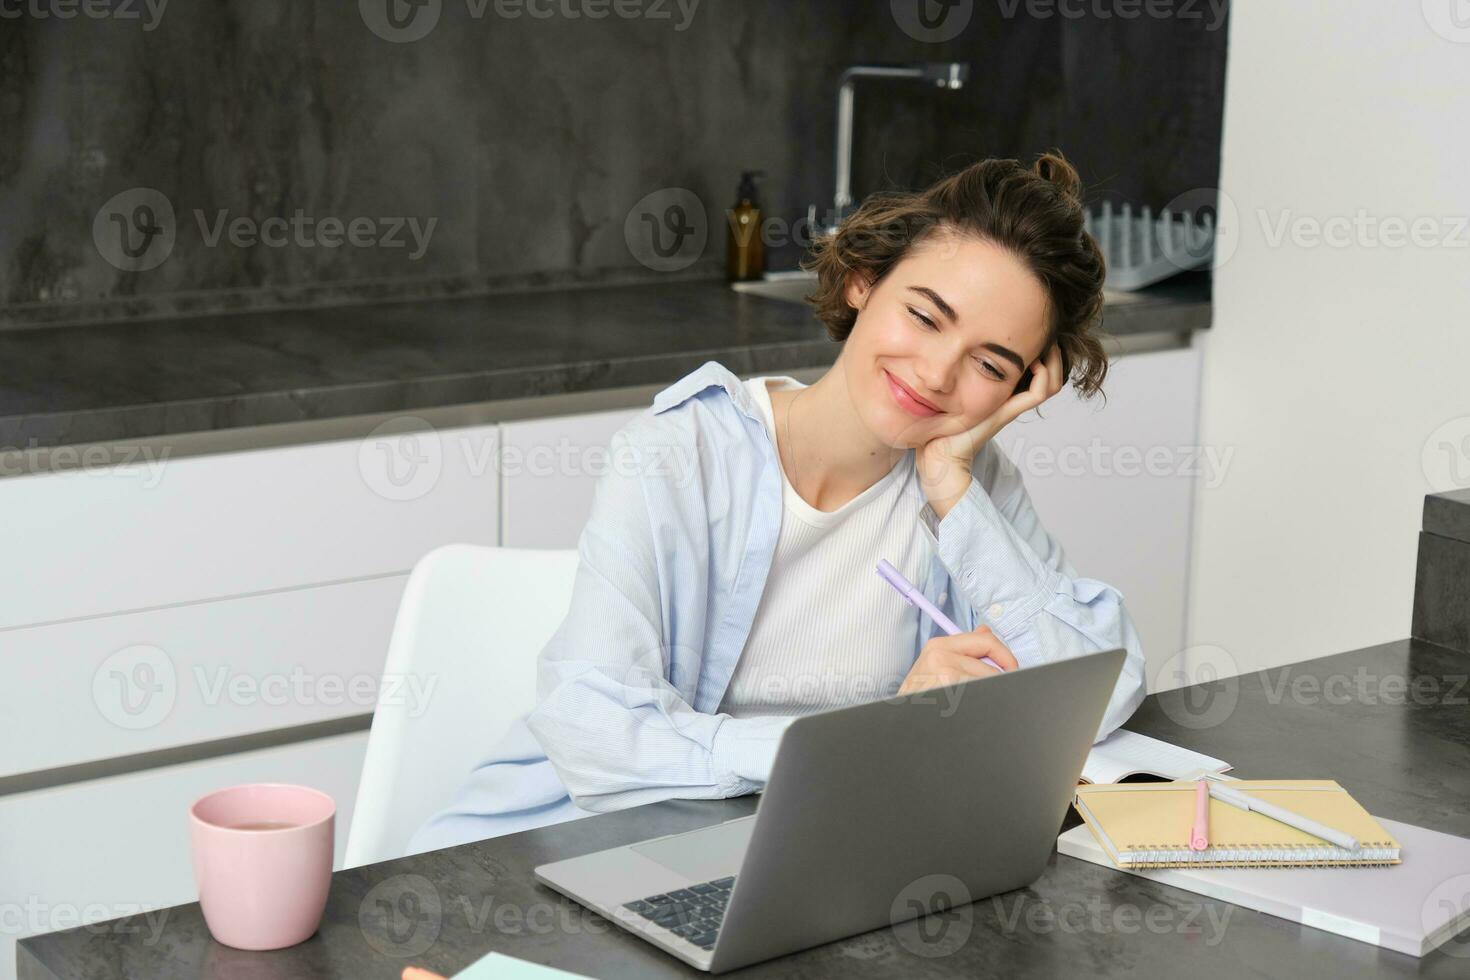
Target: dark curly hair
<point x="1036" y="214"/>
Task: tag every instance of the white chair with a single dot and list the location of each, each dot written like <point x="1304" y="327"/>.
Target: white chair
<point x="472" y="621"/>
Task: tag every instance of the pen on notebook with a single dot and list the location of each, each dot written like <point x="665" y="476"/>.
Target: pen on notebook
<point x="1199" y="834"/>
<point x="914" y="597"/>
<point x="1305" y="824"/>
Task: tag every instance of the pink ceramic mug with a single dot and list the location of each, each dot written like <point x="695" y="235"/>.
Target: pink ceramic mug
<point x="263" y="862"/>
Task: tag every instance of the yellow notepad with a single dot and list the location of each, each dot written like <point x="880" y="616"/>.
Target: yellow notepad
<point x="1146" y="825"/>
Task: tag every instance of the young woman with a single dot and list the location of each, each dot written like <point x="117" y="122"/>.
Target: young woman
<point x="727" y="582"/>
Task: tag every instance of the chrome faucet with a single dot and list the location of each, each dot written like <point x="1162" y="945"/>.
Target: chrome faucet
<point x="943" y="74"/>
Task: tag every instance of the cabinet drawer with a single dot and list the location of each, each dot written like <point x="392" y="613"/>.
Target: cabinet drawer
<point x="117" y="685"/>
<point x="88" y="542"/>
<point x="110" y="847"/>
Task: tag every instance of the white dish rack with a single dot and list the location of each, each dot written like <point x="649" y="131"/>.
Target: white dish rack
<point x="1142" y="249"/>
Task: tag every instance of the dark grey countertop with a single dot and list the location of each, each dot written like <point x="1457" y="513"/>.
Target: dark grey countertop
<point x="99" y="383"/>
<point x="1387" y="722"/>
<point x="1448" y="514"/>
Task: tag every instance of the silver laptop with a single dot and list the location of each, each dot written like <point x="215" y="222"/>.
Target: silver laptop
<point x="970" y="781"/>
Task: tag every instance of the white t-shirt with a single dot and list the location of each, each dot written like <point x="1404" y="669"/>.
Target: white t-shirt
<point x="829" y="631"/>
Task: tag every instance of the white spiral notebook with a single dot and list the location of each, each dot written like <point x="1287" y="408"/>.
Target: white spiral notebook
<point x="1412" y="907"/>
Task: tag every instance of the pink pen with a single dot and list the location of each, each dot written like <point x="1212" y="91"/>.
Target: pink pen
<point x="914" y="597"/>
<point x="1199" y="835"/>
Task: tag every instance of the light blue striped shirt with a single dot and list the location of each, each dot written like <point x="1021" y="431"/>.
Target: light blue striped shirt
<point x="673" y="560"/>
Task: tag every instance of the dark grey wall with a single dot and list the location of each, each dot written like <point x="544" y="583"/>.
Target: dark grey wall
<point x="527" y="140"/>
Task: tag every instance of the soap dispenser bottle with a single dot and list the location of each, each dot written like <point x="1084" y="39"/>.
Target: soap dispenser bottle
<point x="744" y="250"/>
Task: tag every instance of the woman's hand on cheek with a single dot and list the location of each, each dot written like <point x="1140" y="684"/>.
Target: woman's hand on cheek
<point x="944" y="462"/>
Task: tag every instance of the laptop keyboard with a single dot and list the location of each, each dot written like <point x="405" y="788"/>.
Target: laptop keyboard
<point x="692" y="913"/>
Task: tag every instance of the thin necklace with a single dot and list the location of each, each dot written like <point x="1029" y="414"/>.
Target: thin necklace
<point x="790" y="447"/>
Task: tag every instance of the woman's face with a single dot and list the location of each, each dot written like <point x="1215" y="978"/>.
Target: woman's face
<point x="957" y="320"/>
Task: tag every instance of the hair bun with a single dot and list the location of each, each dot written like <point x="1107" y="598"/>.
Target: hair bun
<point x="1053" y="167"/>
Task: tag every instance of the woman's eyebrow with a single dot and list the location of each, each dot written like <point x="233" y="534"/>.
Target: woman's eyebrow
<point x="938" y="301"/>
<point x="1005" y="352"/>
<point x="949" y="312"/>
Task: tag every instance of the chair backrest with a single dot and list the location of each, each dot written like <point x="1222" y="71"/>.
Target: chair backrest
<point x="461" y="667"/>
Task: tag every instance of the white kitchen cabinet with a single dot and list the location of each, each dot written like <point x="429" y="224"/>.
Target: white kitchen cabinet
<point x="263" y="566"/>
<point x="549" y="471"/>
<point x="94" y="541"/>
<point x="1114" y="484"/>
<point x="111" y="686"/>
<point x="104" y="848"/>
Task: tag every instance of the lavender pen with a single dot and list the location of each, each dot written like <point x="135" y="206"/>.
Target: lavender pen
<point x="914" y="597"/>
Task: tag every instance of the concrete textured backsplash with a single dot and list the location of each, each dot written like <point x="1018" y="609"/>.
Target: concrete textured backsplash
<point x="172" y="158"/>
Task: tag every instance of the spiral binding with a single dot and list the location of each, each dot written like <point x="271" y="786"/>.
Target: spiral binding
<point x="1302" y="856"/>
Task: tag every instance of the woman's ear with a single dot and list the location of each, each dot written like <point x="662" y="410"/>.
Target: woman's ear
<point x="857" y="289"/>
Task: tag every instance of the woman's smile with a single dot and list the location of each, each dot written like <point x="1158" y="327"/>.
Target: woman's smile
<point x="907" y="400"/>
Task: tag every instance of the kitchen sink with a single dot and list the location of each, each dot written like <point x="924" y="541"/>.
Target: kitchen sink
<point x="793" y="287"/>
